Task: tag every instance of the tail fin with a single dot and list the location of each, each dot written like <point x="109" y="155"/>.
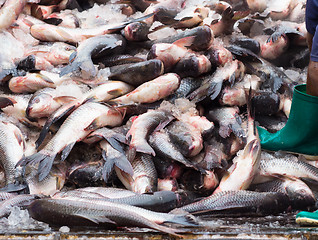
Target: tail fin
<point x="184" y="219"/>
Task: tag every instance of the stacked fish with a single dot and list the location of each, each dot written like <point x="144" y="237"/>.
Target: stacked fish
<point x="140" y="113"/>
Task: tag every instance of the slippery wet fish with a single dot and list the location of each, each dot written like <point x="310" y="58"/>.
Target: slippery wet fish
<point x="136" y="74"/>
<point x="246" y="163"/>
<point x="21" y="200"/>
<point x="289" y="165"/>
<point x="300" y="195"/>
<point x="240" y="201"/>
<point x="51" y="33"/>
<point x="10" y="11"/>
<point x="81" y="211"/>
<point x="229" y="121"/>
<point x="151" y="91"/>
<point x="165" y="148"/>
<point x="82" y="121"/>
<point x="97" y="46"/>
<point x="12" y="147"/>
<point x="212" y="86"/>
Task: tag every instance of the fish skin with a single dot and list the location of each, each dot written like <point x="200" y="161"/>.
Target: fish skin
<point x="21" y="200"/>
<point x="9" y="12"/>
<point x="12" y="146"/>
<point x="300" y="195"/>
<point x="90" y="48"/>
<point x="136" y="74"/>
<point x="82" y="121"/>
<point x="144" y="178"/>
<point x="241" y="200"/>
<point x="151" y="91"/>
<point x="271" y="165"/>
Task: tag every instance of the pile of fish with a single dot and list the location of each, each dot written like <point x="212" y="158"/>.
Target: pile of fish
<point x="140" y="113"/>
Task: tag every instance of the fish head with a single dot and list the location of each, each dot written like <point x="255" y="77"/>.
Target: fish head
<point x="38" y="104"/>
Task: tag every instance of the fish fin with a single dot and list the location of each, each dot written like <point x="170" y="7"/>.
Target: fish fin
<point x="115" y="92"/>
<point x="59" y="113"/>
<point x="145" y="148"/>
<point x="183" y="219"/>
<point x="66" y="151"/>
<point x="92" y="126"/>
<point x="45" y="165"/>
<point x="4" y="102"/>
<point x="122" y="163"/>
<point x="53" y="21"/>
<point x="64" y="99"/>
<point x="72" y="67"/>
<point x="215" y="89"/>
<point x="185" y="42"/>
<point x="46" y="79"/>
<point x="13" y="188"/>
<point x="96" y="219"/>
<point x="115" y="144"/>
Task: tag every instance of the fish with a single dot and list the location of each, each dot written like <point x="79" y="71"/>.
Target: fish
<point x="143" y="126"/>
<point x="9" y="12"/>
<point x="136" y="31"/>
<point x="114" y="156"/>
<point x="44" y="102"/>
<point x="144" y="178"/>
<point x="12" y="146"/>
<point x="245" y="165"/>
<point x="229" y="121"/>
<point x="50" y="33"/>
<point x="242" y="201"/>
<point x="83" y="121"/>
<point x="151" y="91"/>
<point x="212" y="85"/>
<point x="165" y="148"/>
<point x="287" y="165"/>
<point x="97" y="46"/>
<point x="136" y="74"/>
<point x="203" y="38"/>
<point x="300" y="194"/>
<point x="81" y="211"/>
<point x="21" y="200"/>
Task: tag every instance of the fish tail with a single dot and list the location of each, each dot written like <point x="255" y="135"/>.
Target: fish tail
<point x="185" y="219"/>
<point x="46" y="163"/>
<point x="215" y="89"/>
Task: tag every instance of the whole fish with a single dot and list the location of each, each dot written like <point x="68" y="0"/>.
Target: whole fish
<point x="51" y="33"/>
<point x="12" y="147"/>
<point x="82" y="121"/>
<point x="241" y="201"/>
<point x="136" y="74"/>
<point x="90" y="48"/>
<point x="81" y="211"/>
<point x="151" y="91"/>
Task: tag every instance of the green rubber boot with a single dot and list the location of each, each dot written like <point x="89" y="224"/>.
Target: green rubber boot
<point x="300" y="134"/>
<point x="307" y="218"/>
